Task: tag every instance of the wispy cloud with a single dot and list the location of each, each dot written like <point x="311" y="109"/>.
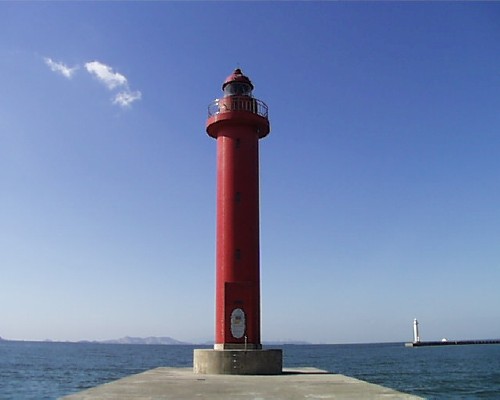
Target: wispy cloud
<point x="112" y="80"/>
<point x="126" y="98"/>
<point x="106" y="75"/>
<point x="60" y="68"/>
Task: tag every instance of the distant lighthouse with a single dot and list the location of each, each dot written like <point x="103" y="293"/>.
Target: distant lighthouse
<point x="237" y="121"/>
<point x="416" y="336"/>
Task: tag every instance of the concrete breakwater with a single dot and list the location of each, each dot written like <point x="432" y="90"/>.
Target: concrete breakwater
<point x="182" y="383"/>
<point x="452" y="342"/>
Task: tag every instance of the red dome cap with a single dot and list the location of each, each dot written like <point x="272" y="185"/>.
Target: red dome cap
<point x="237" y="76"/>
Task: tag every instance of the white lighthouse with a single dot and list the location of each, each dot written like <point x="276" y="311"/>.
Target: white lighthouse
<point x="416" y="336"/>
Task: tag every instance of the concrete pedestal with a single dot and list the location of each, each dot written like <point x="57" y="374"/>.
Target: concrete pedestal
<point x="238" y="362"/>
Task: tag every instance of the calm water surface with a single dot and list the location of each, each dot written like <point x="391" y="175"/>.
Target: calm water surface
<point x="31" y="370"/>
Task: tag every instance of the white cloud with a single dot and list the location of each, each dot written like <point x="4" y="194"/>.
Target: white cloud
<point x="112" y="80"/>
<point x="106" y="75"/>
<point x="126" y="98"/>
<point x="60" y="68"/>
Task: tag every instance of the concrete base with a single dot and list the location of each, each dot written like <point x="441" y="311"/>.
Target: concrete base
<point x="238" y="362"/>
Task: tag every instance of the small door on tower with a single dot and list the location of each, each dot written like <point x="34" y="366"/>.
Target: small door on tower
<point x="241" y="312"/>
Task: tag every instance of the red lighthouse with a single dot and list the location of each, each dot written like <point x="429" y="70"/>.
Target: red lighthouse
<point x="237" y="121"/>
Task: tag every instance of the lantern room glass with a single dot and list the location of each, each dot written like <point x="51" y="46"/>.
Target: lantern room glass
<point x="237" y="89"/>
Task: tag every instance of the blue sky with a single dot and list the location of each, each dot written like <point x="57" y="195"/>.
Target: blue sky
<point x="380" y="180"/>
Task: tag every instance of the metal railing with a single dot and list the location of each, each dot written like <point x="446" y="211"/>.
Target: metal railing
<point x="238" y="103"/>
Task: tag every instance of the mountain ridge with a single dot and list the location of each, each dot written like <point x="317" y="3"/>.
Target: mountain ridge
<point x="150" y="340"/>
<point x="153" y="340"/>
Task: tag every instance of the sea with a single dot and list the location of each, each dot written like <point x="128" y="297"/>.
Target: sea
<point x="44" y="370"/>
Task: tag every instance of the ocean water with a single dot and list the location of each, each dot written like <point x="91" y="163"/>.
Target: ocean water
<point x="34" y="370"/>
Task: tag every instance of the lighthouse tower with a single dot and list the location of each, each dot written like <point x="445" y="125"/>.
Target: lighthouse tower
<point x="416" y="335"/>
<point x="237" y="121"/>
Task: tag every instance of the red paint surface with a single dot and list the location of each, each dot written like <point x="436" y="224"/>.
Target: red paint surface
<point x="237" y="249"/>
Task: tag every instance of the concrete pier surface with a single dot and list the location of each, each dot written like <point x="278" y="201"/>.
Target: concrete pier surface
<point x="183" y="384"/>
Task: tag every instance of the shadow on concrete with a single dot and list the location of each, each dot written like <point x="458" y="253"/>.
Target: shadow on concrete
<point x="306" y="372"/>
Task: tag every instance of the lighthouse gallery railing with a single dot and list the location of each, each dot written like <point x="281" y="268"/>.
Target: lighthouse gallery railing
<point x="238" y="103"/>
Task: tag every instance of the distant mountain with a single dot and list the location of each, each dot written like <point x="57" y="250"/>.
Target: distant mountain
<point x="167" y="340"/>
<point x="147" y="340"/>
<point x="283" y="342"/>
